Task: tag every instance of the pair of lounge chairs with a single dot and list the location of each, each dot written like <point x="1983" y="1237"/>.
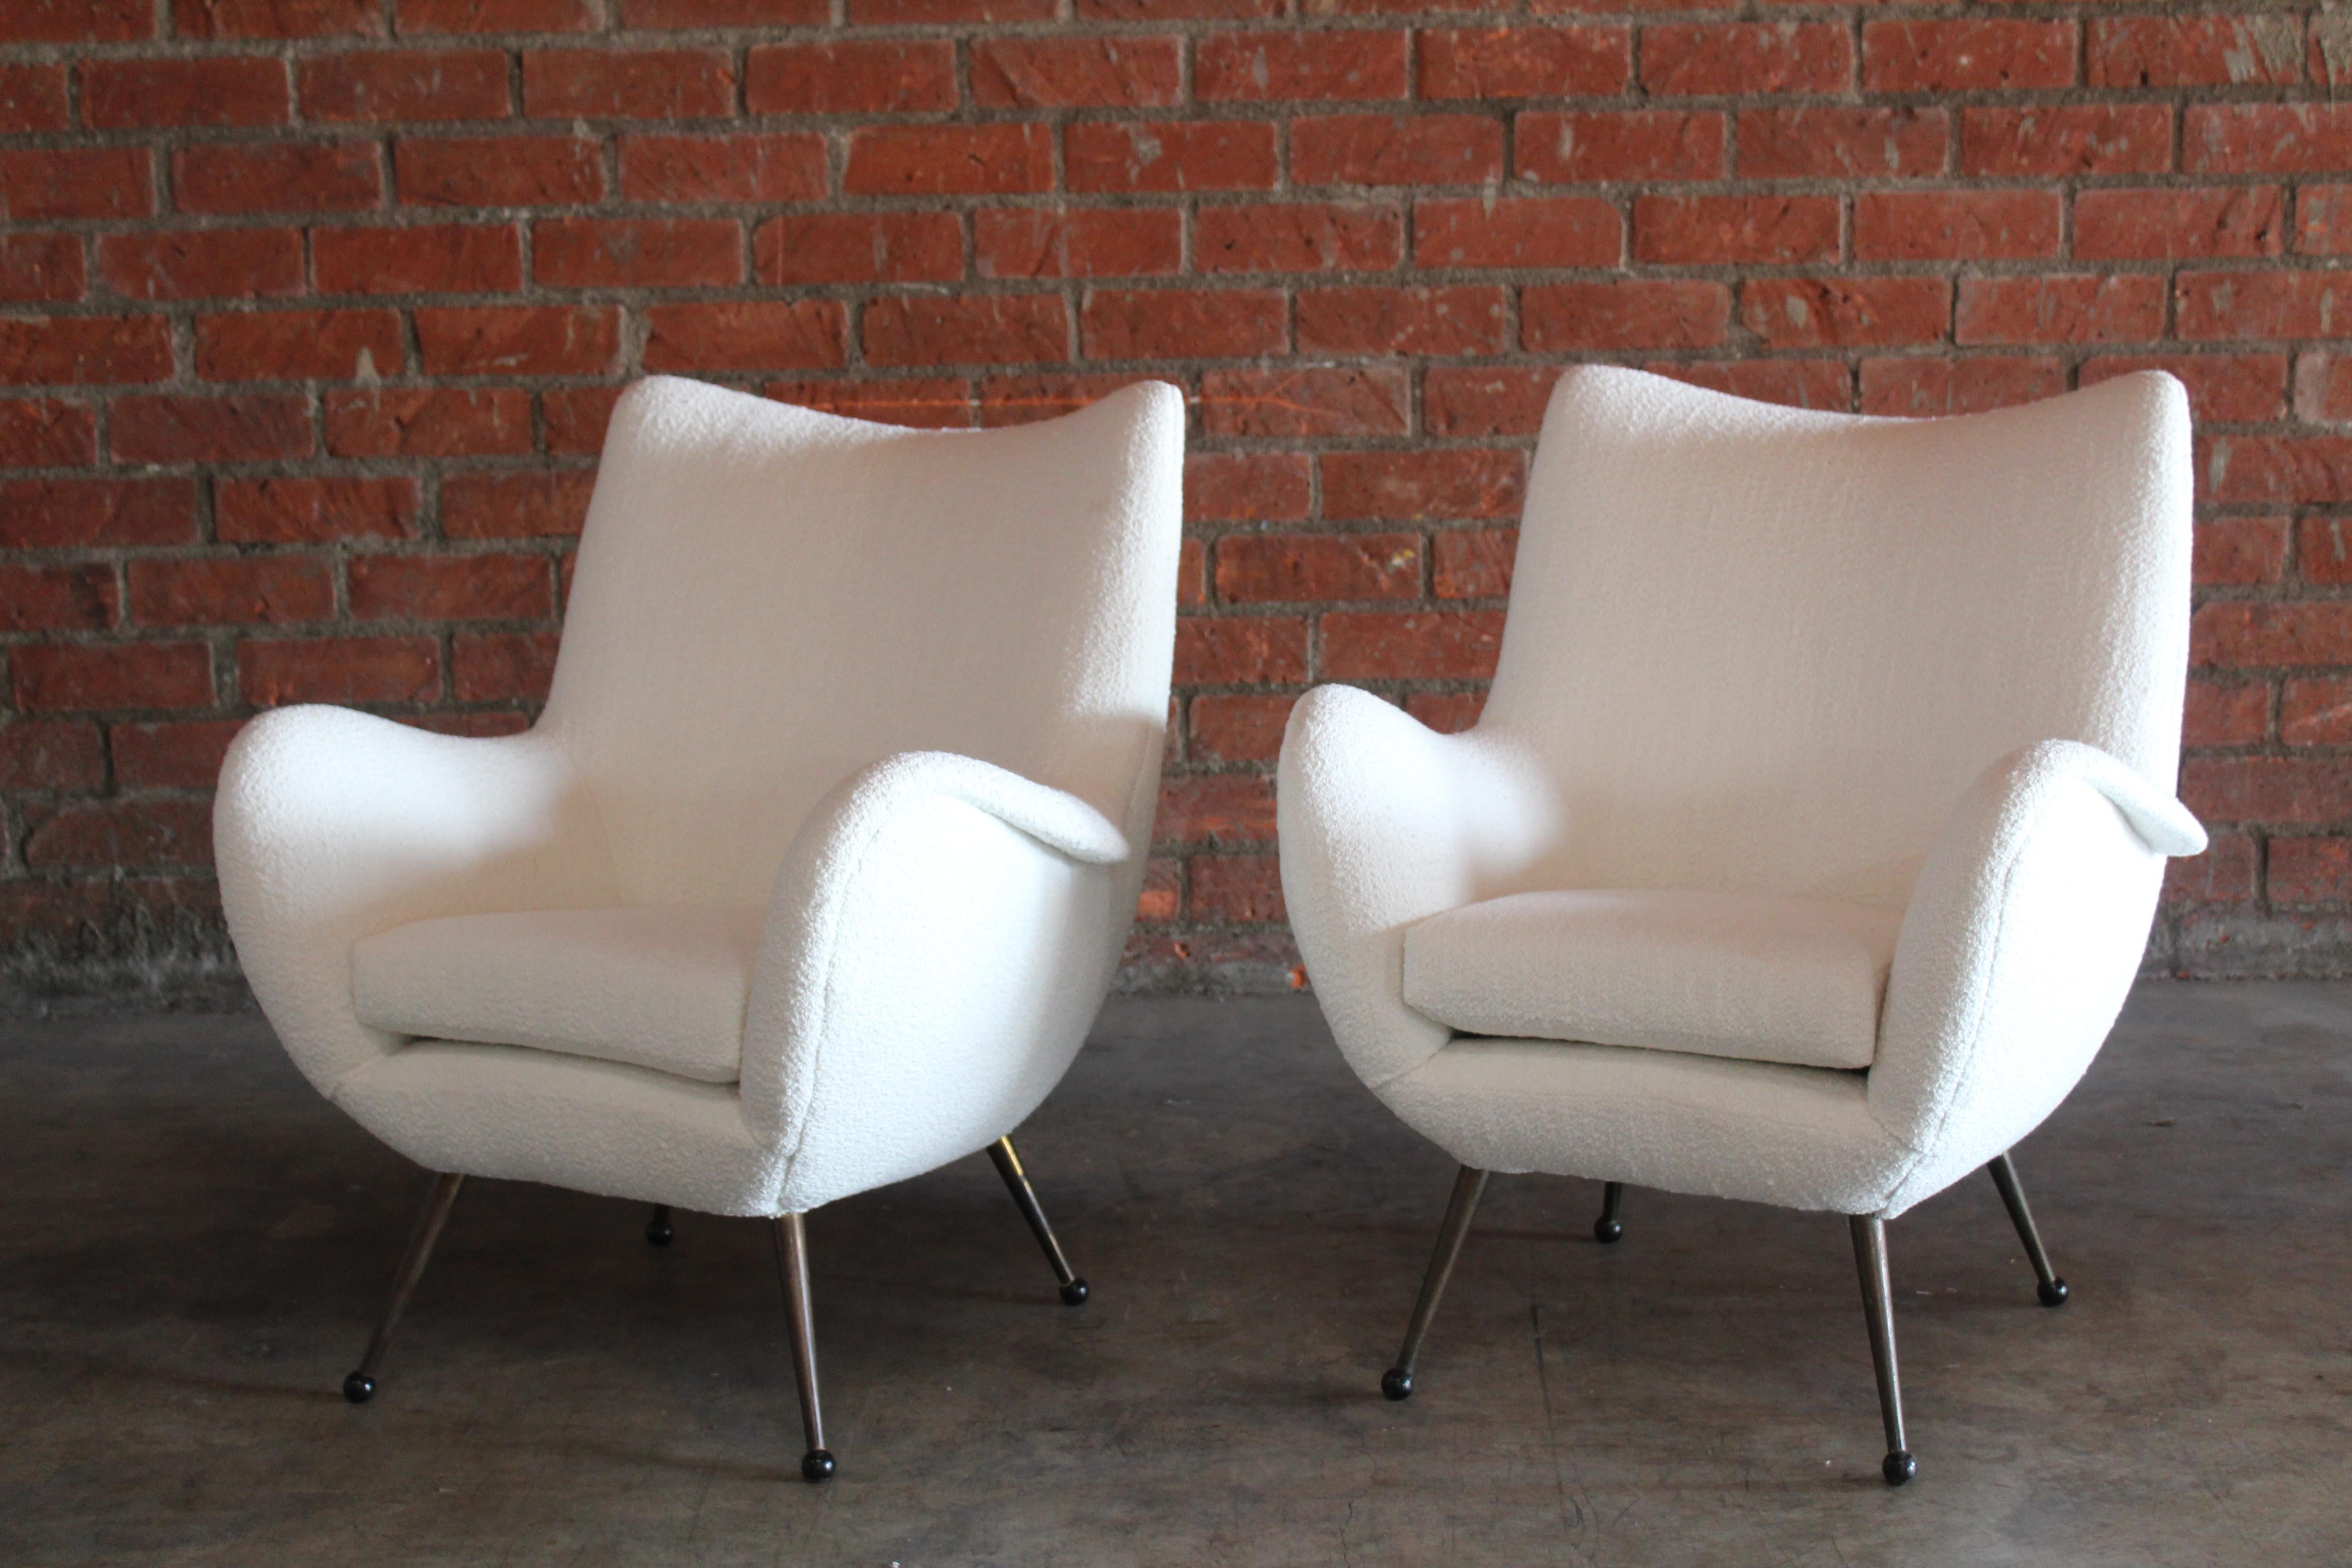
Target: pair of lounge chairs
<point x="1803" y="854"/>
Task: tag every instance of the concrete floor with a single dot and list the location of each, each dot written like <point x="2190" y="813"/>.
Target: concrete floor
<point x="196" y="1244"/>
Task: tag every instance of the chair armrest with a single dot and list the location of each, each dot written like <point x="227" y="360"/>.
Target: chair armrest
<point x="2022" y="938"/>
<point x="1384" y="823"/>
<point x="937" y="941"/>
<point x="331" y="825"/>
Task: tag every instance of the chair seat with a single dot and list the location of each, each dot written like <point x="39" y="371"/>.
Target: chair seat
<point x="654" y="988"/>
<point x="1795" y="981"/>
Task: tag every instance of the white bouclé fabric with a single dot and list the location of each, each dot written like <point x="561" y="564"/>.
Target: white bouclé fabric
<point x="815" y="871"/>
<point x="1927" y="672"/>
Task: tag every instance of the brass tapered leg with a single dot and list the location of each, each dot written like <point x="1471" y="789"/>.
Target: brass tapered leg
<point x="359" y="1387"/>
<point x="1878" y="1308"/>
<point x="791" y="1263"/>
<point x="2047" y="1285"/>
<point x="1016" y="1182"/>
<point x="1468" y="1185"/>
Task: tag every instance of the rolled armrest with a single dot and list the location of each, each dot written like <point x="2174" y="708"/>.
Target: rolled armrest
<point x="331" y="826"/>
<point x="2022" y="940"/>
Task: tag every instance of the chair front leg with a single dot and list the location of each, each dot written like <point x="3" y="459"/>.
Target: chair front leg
<point x="1607" y="1231"/>
<point x="1016" y="1182"/>
<point x="359" y="1387"/>
<point x="658" y="1230"/>
<point x="1469" y="1184"/>
<point x="2047" y="1285"/>
<point x="1878" y="1307"/>
<point x="792" y="1264"/>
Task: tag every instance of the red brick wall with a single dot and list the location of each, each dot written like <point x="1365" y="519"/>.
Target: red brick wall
<point x="310" y="312"/>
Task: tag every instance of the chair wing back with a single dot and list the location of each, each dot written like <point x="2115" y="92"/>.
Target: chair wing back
<point x="770" y="599"/>
<point x="1762" y="649"/>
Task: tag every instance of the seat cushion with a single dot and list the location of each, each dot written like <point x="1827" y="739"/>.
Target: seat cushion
<point x="654" y="988"/>
<point x="1796" y="980"/>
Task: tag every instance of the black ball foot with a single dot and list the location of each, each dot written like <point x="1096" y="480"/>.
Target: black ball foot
<point x="1608" y="1232"/>
<point x="816" y="1465"/>
<point x="2053" y="1294"/>
<point x="1899" y="1467"/>
<point x="1075" y="1293"/>
<point x="658" y="1230"/>
<point x="1397" y="1383"/>
<point x="359" y="1388"/>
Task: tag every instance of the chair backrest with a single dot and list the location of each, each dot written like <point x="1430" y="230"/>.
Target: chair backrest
<point x="770" y="599"/>
<point x="1765" y="650"/>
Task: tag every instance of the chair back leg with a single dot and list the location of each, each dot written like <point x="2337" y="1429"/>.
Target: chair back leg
<point x="791" y="1263"/>
<point x="1469" y="1185"/>
<point x="359" y="1387"/>
<point x="2047" y="1285"/>
<point x="1608" y="1229"/>
<point x="1024" y="1197"/>
<point x="658" y="1230"/>
<point x="1878" y="1307"/>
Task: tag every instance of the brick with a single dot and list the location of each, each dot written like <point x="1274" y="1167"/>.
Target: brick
<point x="1297" y="567"/>
<point x="44" y="433"/>
<point x="1410" y="645"/>
<point x="495" y="16"/>
<point x="540" y="503"/>
<point x="1631" y="313"/>
<point x="47" y="514"/>
<point x="249" y="590"/>
<point x="501" y="666"/>
<point x="314" y="511"/>
<point x="39" y="268"/>
<point x="576" y="416"/>
<point x="498" y="171"/>
<point x="637" y="253"/>
<point x="1971" y="226"/>
<point x="182" y="754"/>
<point x="724" y="13"/>
<point x="2329" y="56"/>
<point x="418" y="258"/>
<point x="1806" y="312"/>
<point x="2253" y="634"/>
<point x="123" y="835"/>
<point x="277" y="18"/>
<point x="994" y="329"/>
<point x="2221" y="714"/>
<point x="627" y="84"/>
<point x="2231" y="388"/>
<point x="1447" y="712"/>
<point x="949" y="160"/>
<point x="1543" y="231"/>
<point x="2194" y="51"/>
<point x="1727" y="230"/>
<point x="1388" y="150"/>
<point x="1416" y="320"/>
<point x="2223" y="874"/>
<point x="1047" y="242"/>
<point x="762" y="168"/>
<point x="428" y="422"/>
<point x="401" y="85"/>
<point x="1794" y="383"/>
<point x="2263" y="304"/>
<point x="1288" y="65"/>
<point x="2078" y="309"/>
<point x="517" y="340"/>
<point x="1741" y="59"/>
<point x="289" y="176"/>
<point x="300" y="346"/>
<point x="1245" y="487"/>
<point x="210" y="89"/>
<point x="255" y="428"/>
<point x="198" y="264"/>
<point x="2323" y="552"/>
<point x="139" y="675"/>
<point x="1413" y="486"/>
<point x="2323" y="220"/>
<point x="1007" y="400"/>
<point x="1307" y="400"/>
<point x="1473" y="564"/>
<point x="2241" y="552"/>
<point x="2276" y="469"/>
<point x="2308" y="871"/>
<point x="77" y="21"/>
<point x="1215" y="808"/>
<point x="939" y="13"/>
<point x="2312" y="713"/>
<point x="928" y="403"/>
<point x="2298" y="791"/>
<point x="1523" y="62"/>
<point x="1192" y="576"/>
<point x="1931" y="388"/>
<point x="56" y="598"/>
<point x="61" y="184"/>
<point x="43" y="755"/>
<point x="1967" y="56"/>
<point x="859" y="247"/>
<point x="1481" y="400"/>
<point x="1168" y="156"/>
<point x="1240" y="650"/>
<point x="1236" y="887"/>
<point x="33" y="98"/>
<point x="2266" y="138"/>
<point x="746" y="335"/>
<point x="2052" y="140"/>
<point x="279" y="670"/>
<point x="1237" y="727"/>
<point x="1312" y="237"/>
<point x="1834" y="141"/>
<point x="1182" y="10"/>
<point x="1163" y="889"/>
<point x="862" y="76"/>
<point x="450" y="587"/>
<point x="2171" y="224"/>
<point x="1601" y="147"/>
<point x="1170" y="324"/>
<point x="95" y="349"/>
<point x="1121" y="72"/>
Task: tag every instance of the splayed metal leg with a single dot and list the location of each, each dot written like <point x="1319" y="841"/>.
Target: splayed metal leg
<point x="791" y="1263"/>
<point x="2047" y="1285"/>
<point x="1469" y="1186"/>
<point x="359" y="1387"/>
<point x="1016" y="1182"/>
<point x="658" y="1230"/>
<point x="1878" y="1307"/>
<point x="1606" y="1230"/>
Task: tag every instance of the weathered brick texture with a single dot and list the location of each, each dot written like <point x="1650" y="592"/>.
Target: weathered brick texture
<point x="312" y="311"/>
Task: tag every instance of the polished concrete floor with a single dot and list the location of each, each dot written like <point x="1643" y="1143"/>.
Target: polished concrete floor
<point x="193" y="1247"/>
